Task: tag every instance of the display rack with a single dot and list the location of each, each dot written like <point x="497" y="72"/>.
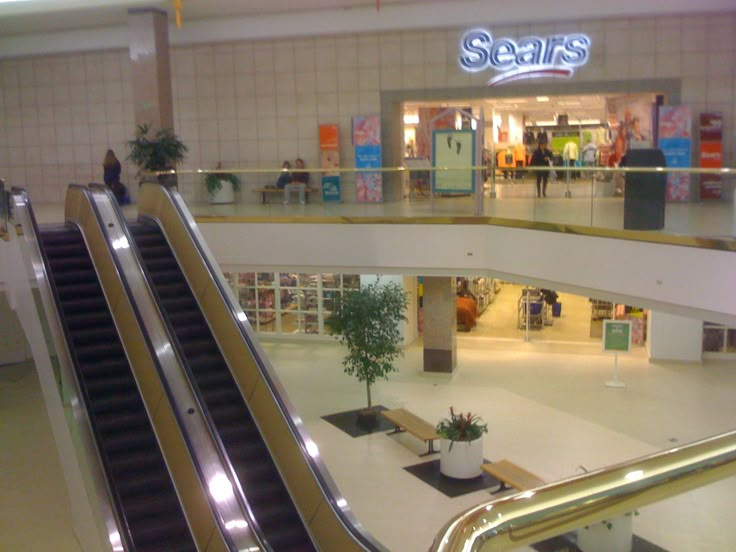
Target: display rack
<point x="531" y="301"/>
<point x="289" y="303"/>
<point x="484" y="291"/>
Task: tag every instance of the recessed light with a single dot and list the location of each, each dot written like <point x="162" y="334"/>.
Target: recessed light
<point x="542" y="98"/>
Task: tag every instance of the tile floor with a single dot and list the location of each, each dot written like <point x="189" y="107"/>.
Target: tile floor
<point x="545" y="403"/>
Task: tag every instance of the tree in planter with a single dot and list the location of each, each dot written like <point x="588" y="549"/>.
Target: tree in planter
<point x="213" y="184"/>
<point x="158" y="153"/>
<point x="367" y="322"/>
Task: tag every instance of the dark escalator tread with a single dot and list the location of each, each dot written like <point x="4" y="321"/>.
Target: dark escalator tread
<point x="135" y="467"/>
<point x="271" y="503"/>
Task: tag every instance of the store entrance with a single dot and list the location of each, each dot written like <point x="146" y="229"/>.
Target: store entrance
<point x="579" y="130"/>
<point x="489" y="308"/>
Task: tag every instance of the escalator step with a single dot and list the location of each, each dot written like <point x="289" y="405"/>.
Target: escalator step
<point x="217" y="376"/>
<point x="130" y="420"/>
<point x="175" y="304"/>
<point x="111" y="383"/>
<point x="166" y="277"/>
<point x="85" y="305"/>
<point x="82" y="319"/>
<point x="100" y="334"/>
<point x="162" y="263"/>
<point x="222" y="394"/>
<point x="129" y="402"/>
<point x="102" y="368"/>
<point x="76" y="277"/>
<point x="79" y="290"/>
<point x="173" y="290"/>
<point x="99" y="351"/>
<point x="190" y="316"/>
<point x="131" y="441"/>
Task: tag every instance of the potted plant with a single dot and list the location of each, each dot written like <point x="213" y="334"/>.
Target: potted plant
<point x="367" y="322"/>
<point x="221" y="186"/>
<point x="466" y="431"/>
<point x="610" y="535"/>
<point x="160" y="152"/>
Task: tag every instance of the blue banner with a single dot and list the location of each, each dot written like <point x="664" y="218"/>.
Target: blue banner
<point x="368" y="157"/>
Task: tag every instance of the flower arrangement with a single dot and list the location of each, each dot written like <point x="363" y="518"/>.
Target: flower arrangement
<point x="461" y="427"/>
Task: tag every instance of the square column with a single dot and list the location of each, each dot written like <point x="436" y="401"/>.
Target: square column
<point x="148" y="38"/>
<point x="440" y="324"/>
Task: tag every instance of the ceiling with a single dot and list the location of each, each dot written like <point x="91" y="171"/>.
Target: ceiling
<point x="36" y="16"/>
<point x="536" y="109"/>
<point x="24" y="17"/>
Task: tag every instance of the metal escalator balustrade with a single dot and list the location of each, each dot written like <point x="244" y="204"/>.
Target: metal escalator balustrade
<point x="147" y="503"/>
<point x="258" y="476"/>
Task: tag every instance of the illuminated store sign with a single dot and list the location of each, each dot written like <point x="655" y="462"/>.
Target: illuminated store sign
<point x="530" y="57"/>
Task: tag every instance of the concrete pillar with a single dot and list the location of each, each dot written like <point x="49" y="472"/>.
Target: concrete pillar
<point x="148" y="37"/>
<point x="672" y="337"/>
<point x="440" y="324"/>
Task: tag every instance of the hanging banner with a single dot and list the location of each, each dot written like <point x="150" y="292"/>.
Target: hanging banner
<point x="453" y="150"/>
<point x="711" y="154"/>
<point x="675" y="141"/>
<point x="367" y="143"/>
<point x="329" y="158"/>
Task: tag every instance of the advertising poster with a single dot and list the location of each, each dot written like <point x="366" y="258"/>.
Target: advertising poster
<point x="711" y="154"/>
<point x="366" y="130"/>
<point x="367" y="143"/>
<point x="617" y="336"/>
<point x="329" y="158"/>
<point x="328" y="138"/>
<point x="453" y="150"/>
<point x="675" y="141"/>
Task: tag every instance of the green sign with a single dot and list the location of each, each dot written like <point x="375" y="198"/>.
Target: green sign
<point x="330" y="188"/>
<point x="617" y="335"/>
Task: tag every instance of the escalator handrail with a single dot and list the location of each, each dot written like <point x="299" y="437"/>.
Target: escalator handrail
<point x="530" y="516"/>
<point x="119" y="523"/>
<point x="181" y="359"/>
<point x="326" y="483"/>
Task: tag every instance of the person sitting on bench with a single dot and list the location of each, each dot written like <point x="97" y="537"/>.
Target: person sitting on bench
<point x="285" y="176"/>
<point x="298" y="183"/>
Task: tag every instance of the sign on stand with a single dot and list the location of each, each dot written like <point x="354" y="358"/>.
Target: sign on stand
<point x="616" y="339"/>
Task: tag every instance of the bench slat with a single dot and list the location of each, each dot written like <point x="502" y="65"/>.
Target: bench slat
<point x="411" y="423"/>
<point x="516" y="476"/>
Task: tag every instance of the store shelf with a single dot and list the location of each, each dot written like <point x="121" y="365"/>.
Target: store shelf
<point x="290" y="303"/>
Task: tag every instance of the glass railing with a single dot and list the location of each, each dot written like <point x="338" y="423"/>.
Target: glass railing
<point x="653" y="199"/>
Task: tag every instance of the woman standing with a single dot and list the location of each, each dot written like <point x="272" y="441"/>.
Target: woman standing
<point x="112" y="168"/>
<point x="541" y="158"/>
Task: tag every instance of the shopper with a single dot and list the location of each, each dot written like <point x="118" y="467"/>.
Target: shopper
<point x="285" y="176"/>
<point x="299" y="182"/>
<point x="112" y="169"/>
<point x="541" y="158"/>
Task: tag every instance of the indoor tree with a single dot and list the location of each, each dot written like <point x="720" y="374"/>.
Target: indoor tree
<point x="366" y="320"/>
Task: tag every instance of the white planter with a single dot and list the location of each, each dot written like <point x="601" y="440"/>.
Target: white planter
<point x="463" y="461"/>
<point x="599" y="538"/>
<point x="225" y="194"/>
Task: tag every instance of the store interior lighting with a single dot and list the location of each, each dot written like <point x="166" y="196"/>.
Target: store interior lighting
<point x="411" y="119"/>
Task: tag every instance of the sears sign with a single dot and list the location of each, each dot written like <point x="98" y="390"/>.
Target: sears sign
<point x="530" y="57"/>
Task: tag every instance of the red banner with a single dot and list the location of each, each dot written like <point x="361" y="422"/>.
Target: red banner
<point x="711" y="154"/>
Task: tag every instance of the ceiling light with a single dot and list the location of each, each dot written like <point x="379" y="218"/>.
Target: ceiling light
<point x="411" y="119"/>
<point x="542" y="98"/>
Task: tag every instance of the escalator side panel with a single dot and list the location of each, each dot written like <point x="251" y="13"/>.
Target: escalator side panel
<point x="252" y="462"/>
<point x="129" y="450"/>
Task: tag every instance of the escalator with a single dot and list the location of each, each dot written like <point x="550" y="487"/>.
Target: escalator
<point x="150" y="516"/>
<point x="231" y="419"/>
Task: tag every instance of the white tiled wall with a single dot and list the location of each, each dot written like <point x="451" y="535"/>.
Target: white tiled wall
<point x="255" y="103"/>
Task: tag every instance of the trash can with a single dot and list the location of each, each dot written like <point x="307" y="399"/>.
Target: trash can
<point x="644" y="203"/>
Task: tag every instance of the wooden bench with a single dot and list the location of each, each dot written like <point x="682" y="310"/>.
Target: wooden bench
<point x="267" y="191"/>
<point x="516" y="476"/>
<point x="411" y="423"/>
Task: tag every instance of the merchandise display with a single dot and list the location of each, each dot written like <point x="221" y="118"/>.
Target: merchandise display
<point x="289" y="303"/>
